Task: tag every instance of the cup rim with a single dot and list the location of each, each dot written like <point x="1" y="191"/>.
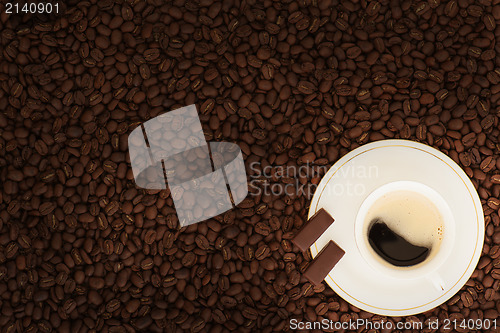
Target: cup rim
<point x="419" y="270"/>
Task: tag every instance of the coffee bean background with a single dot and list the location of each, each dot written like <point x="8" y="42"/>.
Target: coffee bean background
<point x="82" y="249"/>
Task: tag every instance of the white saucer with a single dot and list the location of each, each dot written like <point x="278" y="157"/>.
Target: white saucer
<point x="346" y="185"/>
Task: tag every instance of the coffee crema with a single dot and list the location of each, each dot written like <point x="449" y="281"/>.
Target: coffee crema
<point x="403" y="228"/>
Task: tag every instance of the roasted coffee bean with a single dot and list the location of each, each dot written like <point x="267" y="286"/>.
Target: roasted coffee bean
<point x="306" y="87"/>
<point x="488" y="164"/>
<point x="466" y="299"/>
<point x="262" y="252"/>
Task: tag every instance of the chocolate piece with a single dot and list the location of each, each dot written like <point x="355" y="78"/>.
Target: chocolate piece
<point x="311" y="231"/>
<point x="323" y="263"/>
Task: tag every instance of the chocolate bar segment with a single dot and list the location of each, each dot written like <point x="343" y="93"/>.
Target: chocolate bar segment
<point x="323" y="263"/>
<point x="311" y="231"/>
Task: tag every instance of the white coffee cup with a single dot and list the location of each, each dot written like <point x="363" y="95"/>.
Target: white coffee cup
<point x="429" y="268"/>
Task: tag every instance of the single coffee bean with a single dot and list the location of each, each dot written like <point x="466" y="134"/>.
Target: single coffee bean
<point x="466" y="298"/>
<point x="488" y="164"/>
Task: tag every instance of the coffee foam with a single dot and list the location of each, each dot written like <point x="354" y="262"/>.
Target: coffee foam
<point x="411" y="215"/>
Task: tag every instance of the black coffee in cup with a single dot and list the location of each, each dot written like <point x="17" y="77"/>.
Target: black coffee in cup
<point x="404" y="228"/>
<point x="393" y="248"/>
